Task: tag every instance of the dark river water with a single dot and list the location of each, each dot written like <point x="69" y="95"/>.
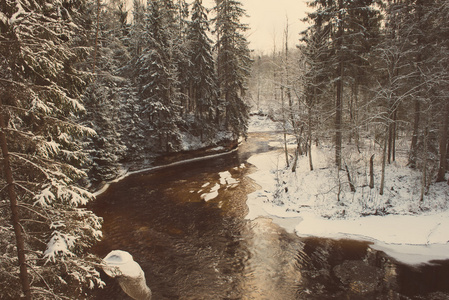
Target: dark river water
<point x="192" y="249"/>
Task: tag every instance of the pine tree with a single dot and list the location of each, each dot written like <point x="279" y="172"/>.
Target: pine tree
<point x="158" y="75"/>
<point x="103" y="98"/>
<point x="137" y="31"/>
<point x="201" y="74"/>
<point x="41" y="46"/>
<point x="233" y="63"/>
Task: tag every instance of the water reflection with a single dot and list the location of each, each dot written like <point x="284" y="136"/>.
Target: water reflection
<point x="345" y="269"/>
<point x="192" y="249"/>
<point x="271" y="272"/>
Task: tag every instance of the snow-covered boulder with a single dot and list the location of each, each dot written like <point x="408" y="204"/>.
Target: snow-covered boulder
<point x="120" y="264"/>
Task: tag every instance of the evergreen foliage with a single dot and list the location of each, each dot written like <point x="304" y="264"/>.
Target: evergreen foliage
<point x="202" y="82"/>
<point x="65" y="128"/>
<point x="161" y="81"/>
<point x="157" y="75"/>
<point x="233" y="63"/>
<point x="41" y="47"/>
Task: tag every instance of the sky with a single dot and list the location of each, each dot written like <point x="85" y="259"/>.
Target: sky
<point x="267" y="21"/>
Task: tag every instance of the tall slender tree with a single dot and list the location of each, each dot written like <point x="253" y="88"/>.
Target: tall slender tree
<point x="315" y="50"/>
<point x="202" y="84"/>
<point x="441" y="13"/>
<point x="158" y="76"/>
<point x="233" y="63"/>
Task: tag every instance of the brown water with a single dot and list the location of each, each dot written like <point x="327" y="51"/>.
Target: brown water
<point x="192" y="249"/>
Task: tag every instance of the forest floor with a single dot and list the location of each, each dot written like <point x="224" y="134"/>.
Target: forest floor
<point x="320" y="202"/>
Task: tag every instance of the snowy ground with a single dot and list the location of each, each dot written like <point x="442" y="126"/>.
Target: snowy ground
<point x="306" y="202"/>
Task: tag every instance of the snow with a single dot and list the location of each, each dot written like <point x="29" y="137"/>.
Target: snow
<point x="262" y="123"/>
<point x="225" y="181"/>
<point x="213" y="193"/>
<point x="226" y="178"/>
<point x="44" y="197"/>
<point x="3" y="18"/>
<point x="60" y="243"/>
<point x="15" y="16"/>
<point x="306" y="202"/>
<point x="191" y="142"/>
<point x="121" y="263"/>
<point x="49" y="148"/>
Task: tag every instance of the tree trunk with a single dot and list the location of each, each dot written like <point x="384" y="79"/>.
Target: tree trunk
<point x="338" y="118"/>
<point x="339" y="101"/>
<point x="284" y="121"/>
<point x="424" y="167"/>
<point x="97" y="29"/>
<point x="309" y="144"/>
<point x="392" y="137"/>
<point x="390" y="142"/>
<point x="285" y="148"/>
<point x="443" y="144"/>
<point x="395" y="119"/>
<point x="371" y="172"/>
<point x="354" y="114"/>
<point x="295" y="161"/>
<point x="351" y="184"/>
<point x="414" y="144"/>
<point x="384" y="160"/>
<point x="20" y="243"/>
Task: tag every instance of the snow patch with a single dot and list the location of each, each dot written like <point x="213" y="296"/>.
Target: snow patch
<point x="225" y="180"/>
<point x="213" y="193"/>
<point x="261" y="123"/>
<point x="59" y="244"/>
<point x="121" y="263"/>
<point x="306" y="202"/>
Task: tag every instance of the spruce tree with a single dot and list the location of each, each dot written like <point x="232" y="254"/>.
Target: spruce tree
<point x="158" y="75"/>
<point x="41" y="47"/>
<point x="439" y="16"/>
<point x="104" y="96"/>
<point x="201" y="73"/>
<point x="233" y="64"/>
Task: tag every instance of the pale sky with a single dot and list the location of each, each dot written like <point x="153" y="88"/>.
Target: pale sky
<point x="267" y="20"/>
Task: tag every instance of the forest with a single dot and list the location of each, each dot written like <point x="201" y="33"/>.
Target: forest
<point x="363" y="70"/>
<point x="89" y="87"/>
<point x="86" y="87"/>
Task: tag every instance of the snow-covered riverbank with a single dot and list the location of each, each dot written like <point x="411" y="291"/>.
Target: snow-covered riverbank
<point x="306" y="202"/>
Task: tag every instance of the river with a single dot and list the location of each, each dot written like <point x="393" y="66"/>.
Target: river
<point x="193" y="249"/>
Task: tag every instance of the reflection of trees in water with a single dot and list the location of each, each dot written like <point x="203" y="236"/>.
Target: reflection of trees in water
<point x="347" y="269"/>
<point x="343" y="268"/>
<point x="270" y="271"/>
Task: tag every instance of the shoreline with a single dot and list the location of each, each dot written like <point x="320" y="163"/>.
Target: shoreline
<point x="190" y="156"/>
